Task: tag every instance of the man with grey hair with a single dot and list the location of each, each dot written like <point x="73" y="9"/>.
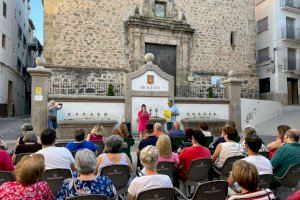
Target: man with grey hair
<point x="158" y="129"/>
<point x="152" y="180"/>
<point x="288" y="154"/>
<point x="25" y="128"/>
<point x="177" y="132"/>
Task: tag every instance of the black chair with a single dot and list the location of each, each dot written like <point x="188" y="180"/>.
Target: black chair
<point x="216" y="190"/>
<point x="73" y="153"/>
<point x="265" y="181"/>
<point x="208" y="140"/>
<point x="197" y="172"/>
<point x="176" y="143"/>
<point x="224" y="171"/>
<point x="61" y="144"/>
<point x="159" y="193"/>
<point x="20" y="156"/>
<point x="291" y="177"/>
<point x="5" y="176"/>
<point x="119" y="175"/>
<point x="264" y="153"/>
<point x="167" y="168"/>
<point x="90" y="197"/>
<point x="100" y="145"/>
<point x="55" y="178"/>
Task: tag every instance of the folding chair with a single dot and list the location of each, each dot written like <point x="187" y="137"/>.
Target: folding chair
<point x="100" y="145"/>
<point x="291" y="177"/>
<point x="159" y="193"/>
<point x="265" y="181"/>
<point x="55" y="178"/>
<point x="119" y="175"/>
<point x="264" y="153"/>
<point x="197" y="172"/>
<point x="61" y="144"/>
<point x="224" y="171"/>
<point x="5" y="176"/>
<point x="208" y="141"/>
<point x="176" y="143"/>
<point x="20" y="156"/>
<point x="216" y="190"/>
<point x="167" y="168"/>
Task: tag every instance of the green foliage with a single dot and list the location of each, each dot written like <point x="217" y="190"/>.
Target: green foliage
<point x="210" y="91"/>
<point x="111" y="90"/>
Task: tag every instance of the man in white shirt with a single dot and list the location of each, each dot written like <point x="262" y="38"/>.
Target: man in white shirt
<point x="252" y="145"/>
<point x="55" y="157"/>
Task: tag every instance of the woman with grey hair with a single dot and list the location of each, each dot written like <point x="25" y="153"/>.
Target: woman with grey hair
<point x="84" y="181"/>
<point x="149" y="159"/>
<point x="113" y="154"/>
<point x="248" y="131"/>
<point x="30" y="144"/>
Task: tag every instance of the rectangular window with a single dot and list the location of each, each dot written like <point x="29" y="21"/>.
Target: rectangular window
<point x="160" y="9"/>
<point x="232" y="39"/>
<point x="262" y="25"/>
<point x="4" y="9"/>
<point x="264" y="85"/>
<point x="263" y="55"/>
<point x="3" y="41"/>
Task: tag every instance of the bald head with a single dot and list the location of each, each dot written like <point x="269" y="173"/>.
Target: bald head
<point x="292" y="135"/>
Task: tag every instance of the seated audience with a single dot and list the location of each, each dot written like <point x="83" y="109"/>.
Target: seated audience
<point x="84" y="181"/>
<point x="2" y="143"/>
<point x="288" y="154"/>
<point x="250" y="130"/>
<point x="6" y="163"/>
<point x="158" y="129"/>
<point x="273" y="146"/>
<point x="80" y="143"/>
<point x="227" y="149"/>
<point x="188" y="154"/>
<point x="176" y="132"/>
<point x="55" y="157"/>
<point x="204" y="128"/>
<point x="246" y="175"/>
<point x="96" y="134"/>
<point x="221" y="138"/>
<point x="125" y="132"/>
<point x="30" y="144"/>
<point x="28" y="174"/>
<point x="152" y="180"/>
<point x="164" y="147"/>
<point x="252" y="145"/>
<point x="113" y="155"/>
<point x="119" y="133"/>
<point x="25" y="128"/>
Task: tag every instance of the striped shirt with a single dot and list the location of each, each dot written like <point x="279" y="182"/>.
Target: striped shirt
<point x="259" y="195"/>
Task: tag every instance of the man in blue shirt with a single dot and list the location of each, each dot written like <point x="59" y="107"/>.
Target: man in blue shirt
<point x="52" y="114"/>
<point x="177" y="132"/>
<point x="80" y="143"/>
<point x="174" y="114"/>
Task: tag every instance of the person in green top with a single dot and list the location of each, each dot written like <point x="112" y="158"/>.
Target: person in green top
<point x="288" y="154"/>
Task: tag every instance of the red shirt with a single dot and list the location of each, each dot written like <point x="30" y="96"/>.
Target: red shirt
<point x="189" y="154"/>
<point x="6" y="163"/>
<point x="295" y="196"/>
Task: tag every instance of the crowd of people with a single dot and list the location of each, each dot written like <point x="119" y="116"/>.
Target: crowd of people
<point x="155" y="146"/>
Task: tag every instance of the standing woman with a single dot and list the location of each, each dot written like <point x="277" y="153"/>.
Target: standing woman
<point x="143" y="116"/>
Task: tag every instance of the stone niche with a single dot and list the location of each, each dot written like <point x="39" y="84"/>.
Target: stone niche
<point x="170" y="29"/>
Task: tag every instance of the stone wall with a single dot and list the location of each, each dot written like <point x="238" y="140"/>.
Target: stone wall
<point x="92" y="34"/>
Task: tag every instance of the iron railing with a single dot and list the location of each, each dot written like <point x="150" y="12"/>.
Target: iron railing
<point x="290" y="3"/>
<point x="291" y="64"/>
<point x="81" y="88"/>
<point x="290" y="32"/>
<point x="200" y="92"/>
<point x="250" y="94"/>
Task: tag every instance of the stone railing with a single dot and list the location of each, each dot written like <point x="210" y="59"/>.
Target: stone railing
<point x="201" y="91"/>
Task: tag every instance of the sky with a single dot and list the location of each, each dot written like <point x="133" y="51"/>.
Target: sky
<point x="37" y="16"/>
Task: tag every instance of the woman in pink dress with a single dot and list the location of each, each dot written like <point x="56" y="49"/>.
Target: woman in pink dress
<point x="143" y="116"/>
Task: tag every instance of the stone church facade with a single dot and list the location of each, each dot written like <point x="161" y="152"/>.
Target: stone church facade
<point x="101" y="41"/>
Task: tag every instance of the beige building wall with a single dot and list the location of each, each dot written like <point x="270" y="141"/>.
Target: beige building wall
<point x="89" y="39"/>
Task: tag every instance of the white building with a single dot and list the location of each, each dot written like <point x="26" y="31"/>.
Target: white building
<point x="17" y="52"/>
<point x="278" y="49"/>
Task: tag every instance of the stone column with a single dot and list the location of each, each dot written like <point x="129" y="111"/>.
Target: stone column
<point x="39" y="94"/>
<point x="233" y="85"/>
